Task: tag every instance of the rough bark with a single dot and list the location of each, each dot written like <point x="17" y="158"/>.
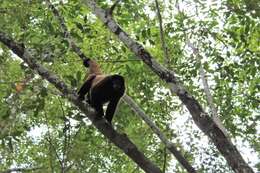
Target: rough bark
<point x="200" y="117"/>
<point x="120" y="140"/>
<point x="209" y="97"/>
<point x="170" y="146"/>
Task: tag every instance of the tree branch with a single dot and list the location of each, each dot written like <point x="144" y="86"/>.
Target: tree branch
<point x="138" y="111"/>
<point x="49" y="139"/>
<point x="164" y="47"/>
<point x="120" y="140"/>
<point x="111" y="9"/>
<point x="66" y="132"/>
<point x="21" y="170"/>
<point x="207" y="91"/>
<point x="200" y="117"/>
<point x="169" y="145"/>
<point x="164" y="159"/>
<point x="66" y="32"/>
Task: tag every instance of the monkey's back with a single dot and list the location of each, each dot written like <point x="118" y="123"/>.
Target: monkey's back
<point x="107" y="88"/>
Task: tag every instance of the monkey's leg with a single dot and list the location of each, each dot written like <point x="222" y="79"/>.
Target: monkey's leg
<point x="111" y="108"/>
<point x="99" y="109"/>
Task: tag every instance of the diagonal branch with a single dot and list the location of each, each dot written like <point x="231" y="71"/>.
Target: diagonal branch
<point x="111" y="9"/>
<point x="66" y="132"/>
<point x="22" y="170"/>
<point x="170" y="146"/>
<point x="165" y="50"/>
<point x="65" y="30"/>
<point x="200" y="117"/>
<point x="209" y="98"/>
<point x="120" y="140"/>
<point x="164" y="159"/>
<point x="49" y="139"/>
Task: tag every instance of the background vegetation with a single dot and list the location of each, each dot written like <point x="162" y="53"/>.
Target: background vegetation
<point x="40" y="129"/>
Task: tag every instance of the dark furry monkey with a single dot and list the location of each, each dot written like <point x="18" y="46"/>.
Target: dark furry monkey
<point x="102" y="89"/>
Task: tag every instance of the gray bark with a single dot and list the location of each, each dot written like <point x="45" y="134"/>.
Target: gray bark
<point x="170" y="146"/>
<point x="120" y="140"/>
<point x="200" y="117"/>
<point x="209" y="97"/>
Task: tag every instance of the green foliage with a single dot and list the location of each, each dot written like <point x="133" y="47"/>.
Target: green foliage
<point x="41" y="129"/>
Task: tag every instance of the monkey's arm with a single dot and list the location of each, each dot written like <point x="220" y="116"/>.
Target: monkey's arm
<point x="85" y="87"/>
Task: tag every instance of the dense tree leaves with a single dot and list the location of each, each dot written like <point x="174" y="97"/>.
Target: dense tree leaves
<point x="40" y="129"/>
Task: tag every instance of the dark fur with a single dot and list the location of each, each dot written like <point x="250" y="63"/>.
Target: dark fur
<point x="102" y="89"/>
<point x="85" y="62"/>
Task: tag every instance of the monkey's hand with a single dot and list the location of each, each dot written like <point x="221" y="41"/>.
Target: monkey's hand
<point x="86" y="62"/>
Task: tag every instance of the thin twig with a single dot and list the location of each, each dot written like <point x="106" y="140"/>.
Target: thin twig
<point x="114" y="61"/>
<point x="170" y="146"/>
<point x="120" y="140"/>
<point x="72" y="147"/>
<point x="164" y="159"/>
<point x="21" y="170"/>
<point x="165" y="50"/>
<point x="65" y="30"/>
<point x="203" y="76"/>
<point x="209" y="98"/>
<point x="111" y="9"/>
<point x="65" y="143"/>
<point x="50" y="140"/>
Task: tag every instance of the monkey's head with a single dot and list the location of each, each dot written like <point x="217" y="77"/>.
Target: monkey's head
<point x="86" y="62"/>
<point x="92" y="65"/>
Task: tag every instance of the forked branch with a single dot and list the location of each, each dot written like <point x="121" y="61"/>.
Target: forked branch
<point x="200" y="117"/>
<point x="120" y="140"/>
<point x="170" y="146"/>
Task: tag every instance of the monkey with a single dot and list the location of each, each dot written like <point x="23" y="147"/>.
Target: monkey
<point x="101" y="89"/>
